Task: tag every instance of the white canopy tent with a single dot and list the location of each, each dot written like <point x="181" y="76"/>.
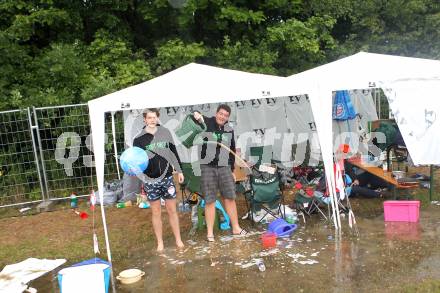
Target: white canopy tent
<point x="412" y="86"/>
<point x="191" y="84"/>
<point x="198" y="84"/>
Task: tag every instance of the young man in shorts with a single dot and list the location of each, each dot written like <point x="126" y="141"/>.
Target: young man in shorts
<point x="158" y="183"/>
<point x="217" y="166"/>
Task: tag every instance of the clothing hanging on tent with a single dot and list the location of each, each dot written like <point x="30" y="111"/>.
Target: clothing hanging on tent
<point x="299" y="115"/>
<point x="343" y="107"/>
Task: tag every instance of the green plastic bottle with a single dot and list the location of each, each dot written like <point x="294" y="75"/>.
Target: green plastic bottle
<point x="73" y="201"/>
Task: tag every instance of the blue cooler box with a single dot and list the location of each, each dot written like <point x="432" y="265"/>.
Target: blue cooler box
<point x="95" y="260"/>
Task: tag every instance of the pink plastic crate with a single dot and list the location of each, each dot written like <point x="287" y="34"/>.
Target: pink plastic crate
<point x="401" y="210"/>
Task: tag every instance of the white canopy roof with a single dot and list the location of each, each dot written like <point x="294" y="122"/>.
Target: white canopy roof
<point x="363" y="70"/>
<point x="191" y="84"/>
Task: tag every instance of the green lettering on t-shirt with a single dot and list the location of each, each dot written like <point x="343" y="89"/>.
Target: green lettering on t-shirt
<point x="218" y="136"/>
<point x="156" y="145"/>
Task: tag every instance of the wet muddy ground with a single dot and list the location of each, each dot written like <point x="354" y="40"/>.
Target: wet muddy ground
<point x="386" y="257"/>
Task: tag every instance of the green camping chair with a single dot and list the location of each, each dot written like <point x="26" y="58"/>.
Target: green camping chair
<point x="265" y="194"/>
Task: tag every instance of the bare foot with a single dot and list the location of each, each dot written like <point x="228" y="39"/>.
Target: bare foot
<point x="180" y="244"/>
<point x="159" y="247"/>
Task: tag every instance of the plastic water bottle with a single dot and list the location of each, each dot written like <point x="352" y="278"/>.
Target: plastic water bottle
<point x="261" y="265"/>
<point x="73" y="201"/>
<point x="194" y="216"/>
<point x="291" y="219"/>
<point x="121" y="205"/>
<point x="194" y="220"/>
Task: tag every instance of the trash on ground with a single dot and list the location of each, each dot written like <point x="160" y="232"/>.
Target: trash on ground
<point x="13" y="278"/>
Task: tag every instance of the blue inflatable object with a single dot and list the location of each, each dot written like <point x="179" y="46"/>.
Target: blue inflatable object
<point x="226" y="224"/>
<point x="281" y="228"/>
<point x="134" y="161"/>
<point x="342" y="107"/>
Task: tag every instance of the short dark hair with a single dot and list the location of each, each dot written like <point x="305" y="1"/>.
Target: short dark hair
<point x="154" y="110"/>
<point x="224" y="107"/>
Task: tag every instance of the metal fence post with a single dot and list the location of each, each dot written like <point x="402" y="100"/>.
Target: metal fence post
<point x="41" y="152"/>
<point x="34" y="147"/>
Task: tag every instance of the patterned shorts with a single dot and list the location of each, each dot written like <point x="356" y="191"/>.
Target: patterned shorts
<point x="163" y="188"/>
<point x="215" y="179"/>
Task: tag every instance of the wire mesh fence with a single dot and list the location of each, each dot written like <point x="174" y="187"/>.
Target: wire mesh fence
<point x="19" y="177"/>
<point x="67" y="156"/>
<point x="46" y="153"/>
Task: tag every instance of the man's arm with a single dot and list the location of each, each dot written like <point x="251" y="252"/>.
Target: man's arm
<point x="175" y="161"/>
<point x="179" y="163"/>
<point x="137" y="143"/>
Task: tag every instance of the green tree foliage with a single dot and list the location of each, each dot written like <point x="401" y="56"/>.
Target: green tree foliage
<point x="56" y="52"/>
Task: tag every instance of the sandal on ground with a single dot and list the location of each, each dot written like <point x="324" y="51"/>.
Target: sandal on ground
<point x="243" y="232"/>
<point x="210" y="238"/>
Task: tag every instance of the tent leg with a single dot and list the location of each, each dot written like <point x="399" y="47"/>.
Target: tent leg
<point x="431" y="182"/>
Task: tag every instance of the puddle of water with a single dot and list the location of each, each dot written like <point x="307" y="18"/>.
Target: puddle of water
<point x="312" y="260"/>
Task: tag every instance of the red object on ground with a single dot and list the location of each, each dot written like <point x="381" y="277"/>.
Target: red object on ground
<point x="298" y="185"/>
<point x="269" y="240"/>
<point x="83" y="215"/>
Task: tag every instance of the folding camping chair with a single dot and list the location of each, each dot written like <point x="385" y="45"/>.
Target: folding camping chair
<point x="310" y="202"/>
<point x="396" y="153"/>
<point x="264" y="193"/>
<point x="306" y="174"/>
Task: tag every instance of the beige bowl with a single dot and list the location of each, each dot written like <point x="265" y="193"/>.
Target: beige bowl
<point x="130" y="276"/>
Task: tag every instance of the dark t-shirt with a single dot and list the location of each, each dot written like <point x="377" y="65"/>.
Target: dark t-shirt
<point x="162" y="153"/>
<point x="213" y="154"/>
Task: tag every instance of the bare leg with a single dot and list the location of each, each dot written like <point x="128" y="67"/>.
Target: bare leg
<point x="210" y="218"/>
<point x="170" y="204"/>
<point x="231" y="209"/>
<point x="157" y="222"/>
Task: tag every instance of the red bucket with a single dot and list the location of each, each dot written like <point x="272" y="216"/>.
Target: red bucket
<point x="269" y="240"/>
